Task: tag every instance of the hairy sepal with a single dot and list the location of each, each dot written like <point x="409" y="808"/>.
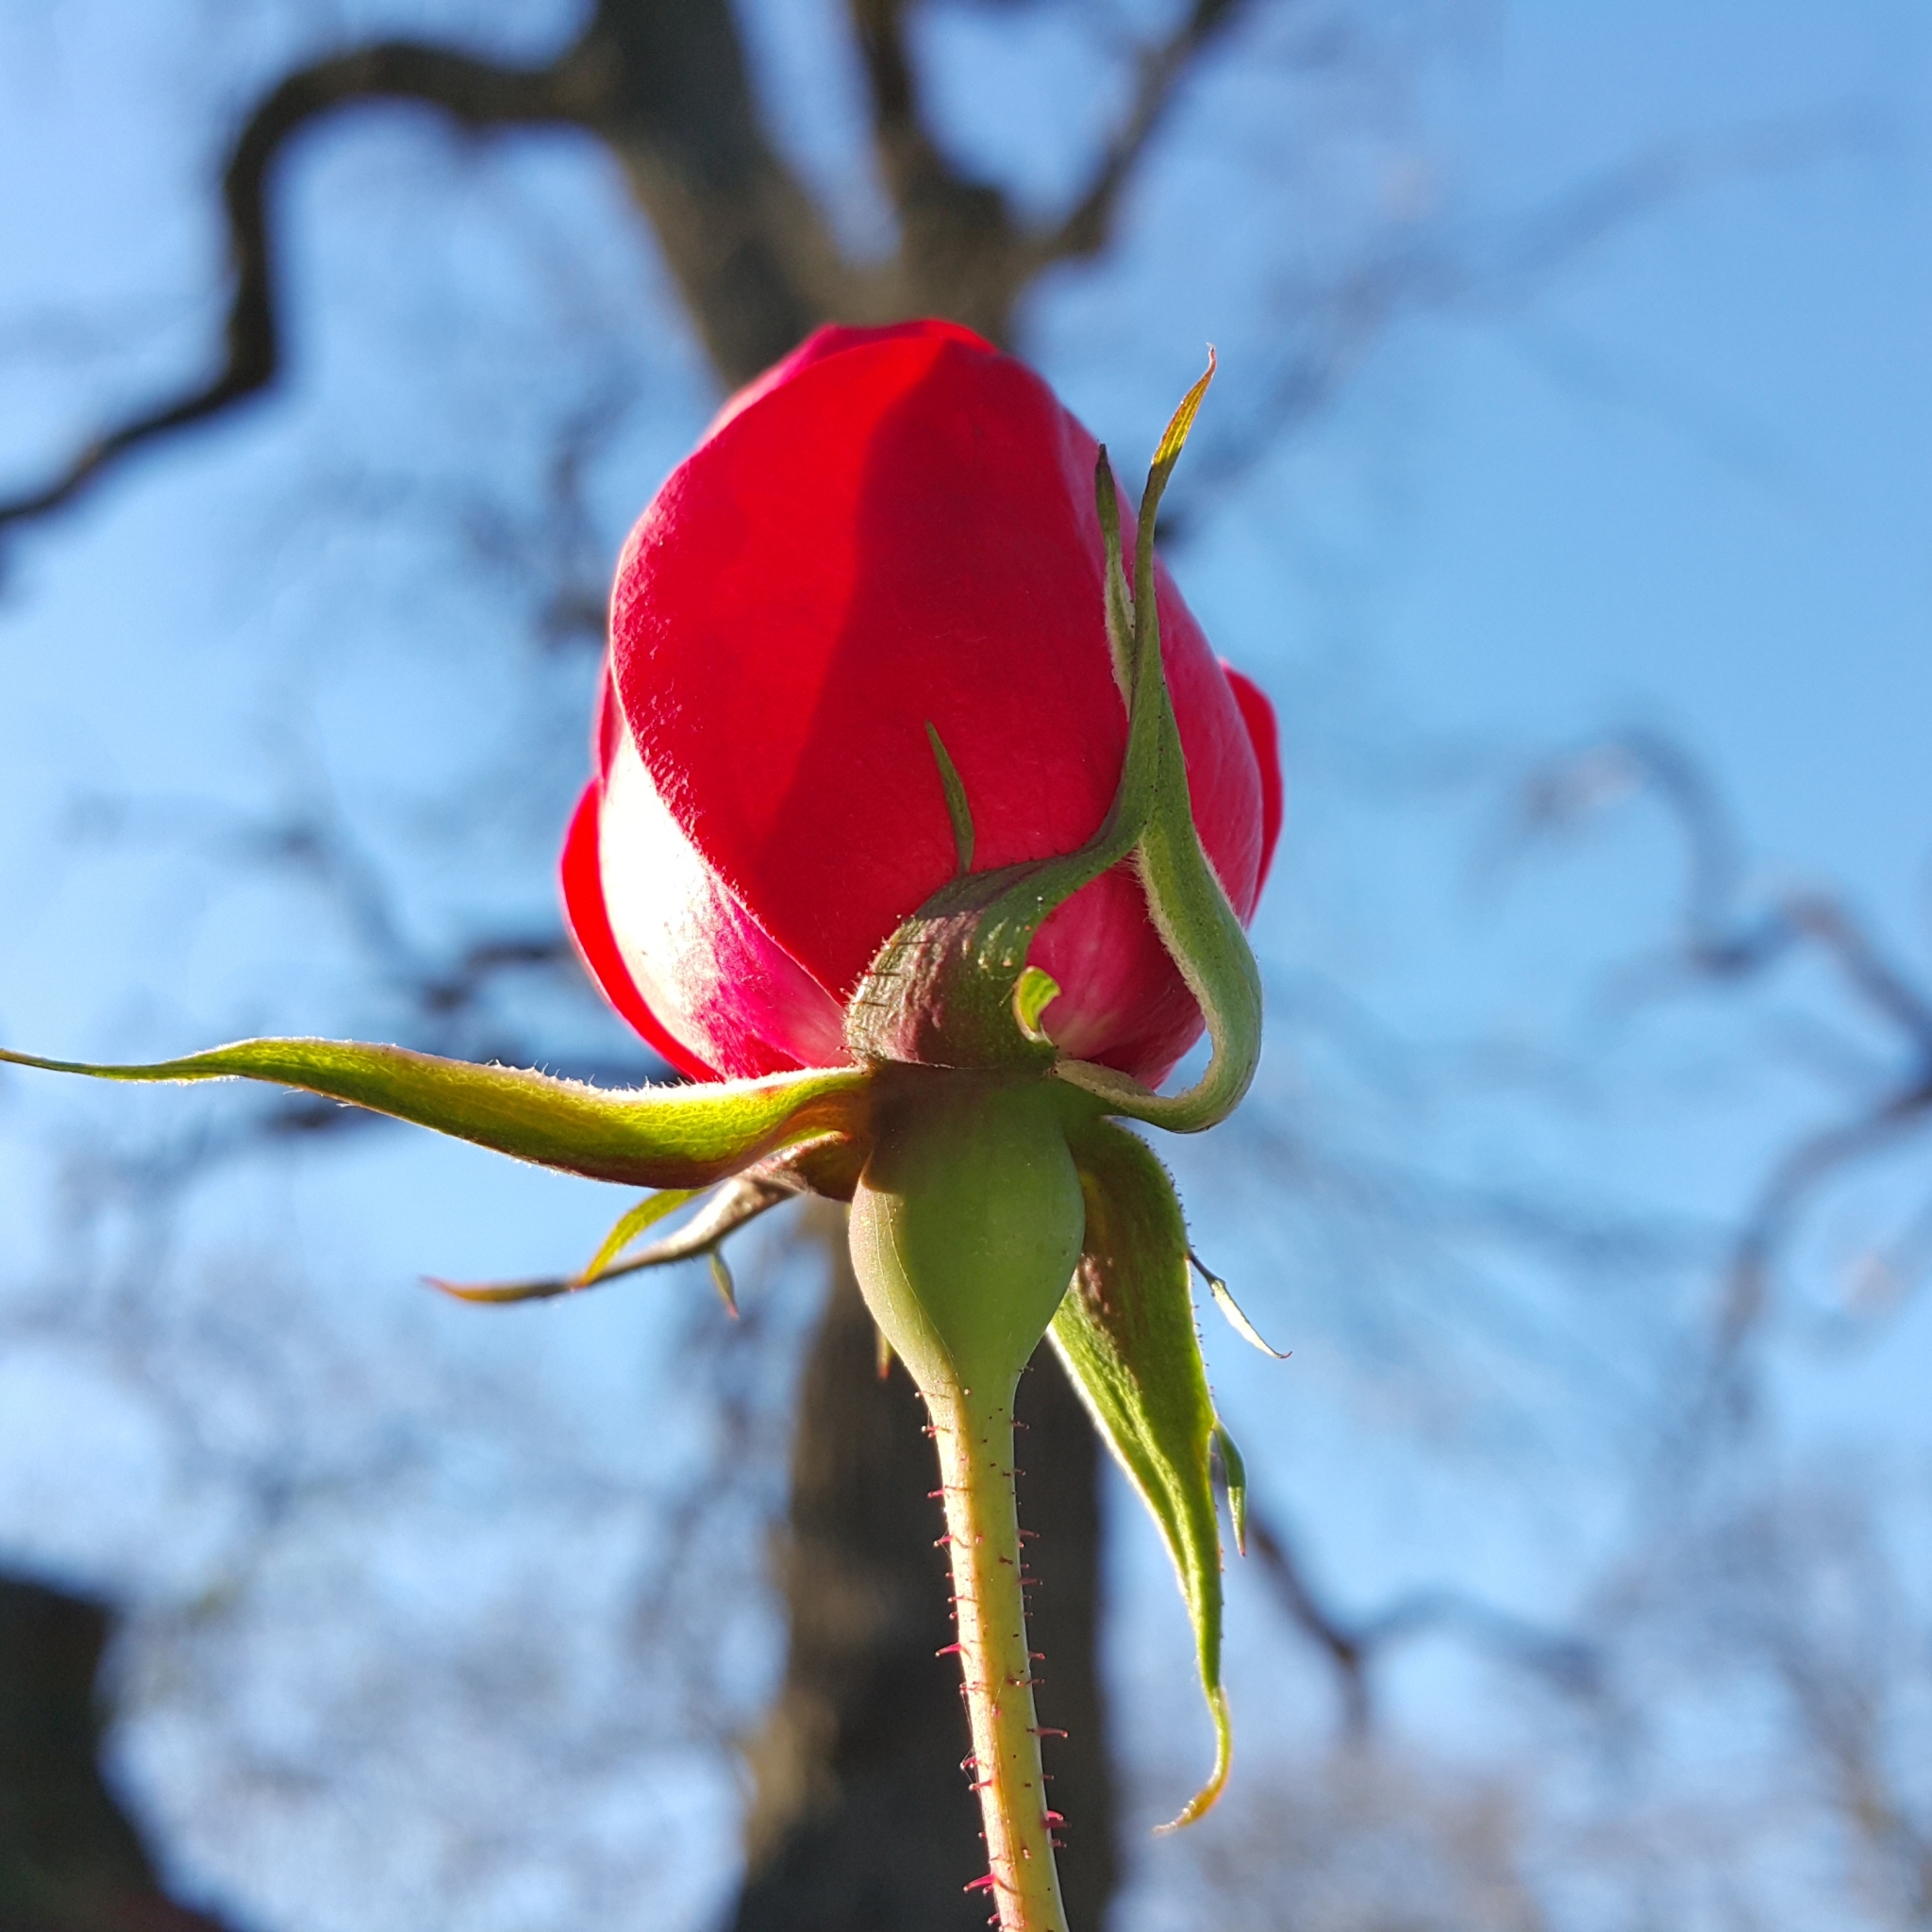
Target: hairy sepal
<point x="653" y="1136"/>
<point x="1189" y="905"/>
<point x="1125" y="1332"/>
<point x="945" y="990"/>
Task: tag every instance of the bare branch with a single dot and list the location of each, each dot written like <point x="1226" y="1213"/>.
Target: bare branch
<point x="1316" y="1622"/>
<point x="1728" y="940"/>
<point x="1088" y="227"/>
<point x="960" y="253"/>
<point x="476" y="93"/>
<point x="1352" y="1645"/>
<point x="1793" y="1183"/>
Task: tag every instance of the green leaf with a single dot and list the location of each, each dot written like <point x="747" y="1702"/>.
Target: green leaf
<point x="734" y="1203"/>
<point x="1231" y="1312"/>
<point x="647" y="1213"/>
<point x="653" y="1136"/>
<point x="1234" y="1476"/>
<point x="722" y="1281"/>
<point x="1125" y="1332"/>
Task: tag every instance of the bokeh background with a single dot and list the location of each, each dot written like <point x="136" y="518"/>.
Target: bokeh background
<point x="1566" y="484"/>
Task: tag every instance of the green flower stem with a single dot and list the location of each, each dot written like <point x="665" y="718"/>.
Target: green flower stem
<point x="966" y="1229"/>
<point x="974" y="1433"/>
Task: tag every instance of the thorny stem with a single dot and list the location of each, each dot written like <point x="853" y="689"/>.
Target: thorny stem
<point x="974" y="1438"/>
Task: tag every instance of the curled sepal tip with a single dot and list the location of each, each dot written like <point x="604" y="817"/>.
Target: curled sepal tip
<point x="1204" y="1801"/>
<point x="653" y="1136"/>
<point x="1125" y="1332"/>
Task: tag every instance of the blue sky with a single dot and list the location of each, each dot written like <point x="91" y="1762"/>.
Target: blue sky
<point x="1677" y="477"/>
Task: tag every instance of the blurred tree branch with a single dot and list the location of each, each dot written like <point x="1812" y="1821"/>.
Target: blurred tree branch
<point x="665" y="85"/>
<point x="1729" y="936"/>
<point x="1353" y="1645"/>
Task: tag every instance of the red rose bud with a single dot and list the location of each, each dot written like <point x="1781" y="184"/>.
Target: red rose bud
<point x="893" y="528"/>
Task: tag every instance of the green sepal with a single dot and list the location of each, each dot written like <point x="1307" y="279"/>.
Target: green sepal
<point x="651" y="1137"/>
<point x="732" y="1207"/>
<point x="945" y="990"/>
<point x="1125" y="1332"/>
<point x="1187" y="902"/>
<point x="958" y="809"/>
<point x="632" y="1223"/>
<point x="1234" y="1478"/>
<point x="941" y="991"/>
<point x="1233" y="1313"/>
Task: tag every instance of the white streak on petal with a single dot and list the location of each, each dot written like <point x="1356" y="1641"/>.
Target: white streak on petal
<point x="718" y="982"/>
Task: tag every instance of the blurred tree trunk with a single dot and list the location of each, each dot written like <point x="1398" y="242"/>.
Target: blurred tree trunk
<point x="862" y="1819"/>
<point x="70" y="1861"/>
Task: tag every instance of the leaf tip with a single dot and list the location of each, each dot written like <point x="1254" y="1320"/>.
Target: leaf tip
<point x="1234" y="1479"/>
<point x="1231" y="1309"/>
<point x="1173" y="438"/>
<point x="1204" y="1801"/>
<point x="722" y="1281"/>
<point x="499" y="1293"/>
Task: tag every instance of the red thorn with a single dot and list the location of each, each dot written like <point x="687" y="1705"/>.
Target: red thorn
<point x="985" y="1884"/>
<point x="1047" y="1731"/>
<point x="951" y="1650"/>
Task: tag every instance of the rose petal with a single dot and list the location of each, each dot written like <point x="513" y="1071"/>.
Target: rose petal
<point x="902" y="530"/>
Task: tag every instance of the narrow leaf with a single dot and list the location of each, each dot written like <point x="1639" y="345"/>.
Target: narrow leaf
<point x="1234" y="1476"/>
<point x="958" y="808"/>
<point x="1226" y="1302"/>
<point x="1118" y="600"/>
<point x="738" y="1202"/>
<point x="1125" y="1332"/>
<point x="722" y="1281"/>
<point x="647" y="1213"/>
<point x="1175" y="437"/>
<point x="653" y="1136"/>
